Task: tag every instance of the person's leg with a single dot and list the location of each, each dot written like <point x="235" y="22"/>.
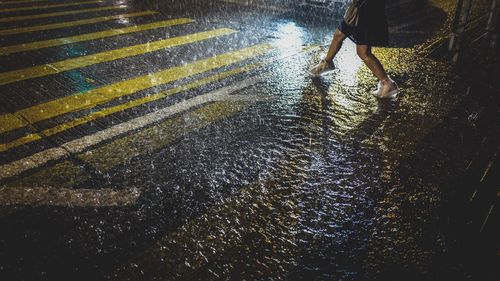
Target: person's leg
<point x="326" y="64"/>
<point x="365" y="53"/>
<point x="387" y="88"/>
<point x="335" y="45"/>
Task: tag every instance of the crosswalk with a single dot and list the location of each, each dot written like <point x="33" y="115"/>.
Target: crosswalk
<point x="25" y="129"/>
<point x="83" y="61"/>
<point x="88" y="36"/>
<point x="79" y="145"/>
<point x="41" y="7"/>
<point x="59" y="14"/>
<point x="58" y="25"/>
<point x="20" y="1"/>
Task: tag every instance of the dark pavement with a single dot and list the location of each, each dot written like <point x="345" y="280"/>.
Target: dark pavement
<point x="185" y="140"/>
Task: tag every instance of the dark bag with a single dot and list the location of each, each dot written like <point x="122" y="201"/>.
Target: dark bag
<point x="351" y="16"/>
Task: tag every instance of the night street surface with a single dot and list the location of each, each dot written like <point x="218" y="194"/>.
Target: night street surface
<point x="186" y="140"/>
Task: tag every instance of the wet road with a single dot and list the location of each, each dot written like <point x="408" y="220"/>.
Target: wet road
<point x="181" y="140"/>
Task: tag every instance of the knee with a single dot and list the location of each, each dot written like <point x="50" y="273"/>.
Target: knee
<point x="338" y="37"/>
<point x="363" y="53"/>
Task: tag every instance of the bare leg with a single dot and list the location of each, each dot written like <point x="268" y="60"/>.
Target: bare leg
<point x="387" y="87"/>
<point x="338" y="38"/>
<point x="365" y="53"/>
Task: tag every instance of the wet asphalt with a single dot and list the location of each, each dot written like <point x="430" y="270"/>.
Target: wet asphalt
<point x="220" y="158"/>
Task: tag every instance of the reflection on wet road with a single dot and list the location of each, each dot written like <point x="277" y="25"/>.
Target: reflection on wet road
<point x="181" y="140"/>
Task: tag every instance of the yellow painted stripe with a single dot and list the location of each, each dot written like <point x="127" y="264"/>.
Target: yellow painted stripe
<point x="72" y="23"/>
<point x="69" y="64"/>
<point x="89" y="36"/>
<point x="105" y="94"/>
<point x="174" y="128"/>
<point x="20" y="141"/>
<point x="134" y="103"/>
<point x="21" y="1"/>
<point x="150" y="98"/>
<point x="108" y="156"/>
<point x="65" y="13"/>
<point x="48" y="6"/>
<point x="8" y="121"/>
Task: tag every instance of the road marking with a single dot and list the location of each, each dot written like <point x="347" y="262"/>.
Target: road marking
<point x="108" y="111"/>
<point x="79" y="62"/>
<point x="89" y="36"/>
<point x="121" y="107"/>
<point x="134" y="103"/>
<point x="79" y="145"/>
<point x="72" y="23"/>
<point x="10" y="120"/>
<point x="56" y="14"/>
<point x="140" y="101"/>
<point x="27" y="163"/>
<point x="153" y="138"/>
<point x="62" y="174"/>
<point x="20" y="141"/>
<point x="20" y="1"/>
<point x="160" y="135"/>
<point x="66" y="197"/>
<point x="36" y="160"/>
<point x="137" y="102"/>
<point x="107" y="93"/>
<point x="48" y="6"/>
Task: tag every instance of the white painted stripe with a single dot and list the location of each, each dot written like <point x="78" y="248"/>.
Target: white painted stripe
<point x="18" y="166"/>
<point x="78" y="145"/>
<point x="83" y="143"/>
<point x="52" y="196"/>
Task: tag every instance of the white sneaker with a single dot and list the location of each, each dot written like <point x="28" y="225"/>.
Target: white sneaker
<point x="322" y="67"/>
<point x="387" y="90"/>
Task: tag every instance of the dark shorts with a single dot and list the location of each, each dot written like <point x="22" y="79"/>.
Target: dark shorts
<point x="372" y="28"/>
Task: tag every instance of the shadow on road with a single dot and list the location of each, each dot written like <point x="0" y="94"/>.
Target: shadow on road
<point x="413" y="22"/>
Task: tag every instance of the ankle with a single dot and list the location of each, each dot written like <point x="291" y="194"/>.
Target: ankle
<point x="386" y="80"/>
